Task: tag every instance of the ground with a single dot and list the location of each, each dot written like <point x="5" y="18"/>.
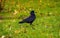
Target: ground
<point x="47" y="21"/>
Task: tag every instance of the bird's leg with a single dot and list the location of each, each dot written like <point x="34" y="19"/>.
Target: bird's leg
<point x="32" y="26"/>
<point x="30" y="23"/>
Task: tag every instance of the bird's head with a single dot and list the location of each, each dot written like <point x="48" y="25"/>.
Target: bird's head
<point x="32" y="12"/>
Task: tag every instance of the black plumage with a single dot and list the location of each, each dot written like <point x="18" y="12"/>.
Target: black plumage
<point x="29" y="19"/>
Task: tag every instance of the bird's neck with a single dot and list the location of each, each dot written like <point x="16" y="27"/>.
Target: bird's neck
<point x="32" y="14"/>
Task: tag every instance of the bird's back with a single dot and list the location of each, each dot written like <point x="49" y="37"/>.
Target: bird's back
<point x="30" y="18"/>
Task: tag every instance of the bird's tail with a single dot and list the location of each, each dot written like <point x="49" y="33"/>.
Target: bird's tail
<point x="21" y="22"/>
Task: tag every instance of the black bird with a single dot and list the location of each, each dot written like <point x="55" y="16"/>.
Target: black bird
<point x="29" y="19"/>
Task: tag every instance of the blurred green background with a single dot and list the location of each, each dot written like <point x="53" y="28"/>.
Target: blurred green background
<point x="47" y="23"/>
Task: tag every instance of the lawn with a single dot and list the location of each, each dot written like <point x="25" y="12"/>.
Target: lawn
<point x="46" y="24"/>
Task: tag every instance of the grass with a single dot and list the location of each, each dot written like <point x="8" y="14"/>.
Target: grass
<point x="46" y="24"/>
